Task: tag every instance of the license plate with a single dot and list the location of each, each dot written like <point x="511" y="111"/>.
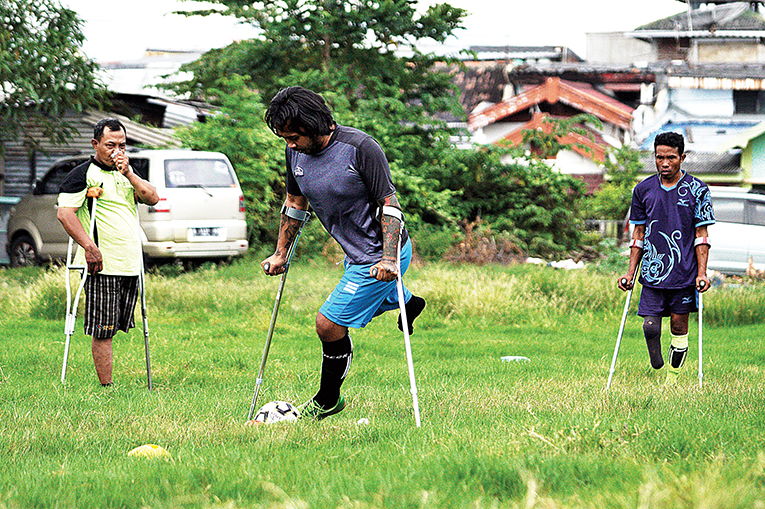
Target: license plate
<point x="211" y="234"/>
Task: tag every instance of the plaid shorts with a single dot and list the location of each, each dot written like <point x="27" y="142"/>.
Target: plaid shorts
<point x="109" y="304"/>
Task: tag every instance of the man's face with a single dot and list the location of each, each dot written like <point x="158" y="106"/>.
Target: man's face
<point x="112" y="142"/>
<point x="301" y="142"/>
<point x="668" y="161"/>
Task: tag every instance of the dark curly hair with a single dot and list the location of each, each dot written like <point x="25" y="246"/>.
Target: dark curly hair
<point x="299" y="110"/>
<point x="673" y="140"/>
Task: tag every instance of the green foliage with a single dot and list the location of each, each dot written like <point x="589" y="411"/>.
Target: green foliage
<point x="536" y="205"/>
<point x="547" y="142"/>
<point x="42" y="71"/>
<point x="613" y="199"/>
<point x="240" y="132"/>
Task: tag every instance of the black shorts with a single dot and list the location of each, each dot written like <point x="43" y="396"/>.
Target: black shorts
<point x="109" y="304"/>
<point x="662" y="302"/>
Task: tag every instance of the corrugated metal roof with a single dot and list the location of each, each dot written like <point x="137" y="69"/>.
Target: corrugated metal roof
<point x="701" y="163"/>
<point x="137" y="133"/>
<point x="732" y="16"/>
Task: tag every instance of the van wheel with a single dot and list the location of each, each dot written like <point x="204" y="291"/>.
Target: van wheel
<point x="23" y="252"/>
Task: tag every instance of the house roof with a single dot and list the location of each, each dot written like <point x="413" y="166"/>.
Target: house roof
<point x="552" y="53"/>
<point x="731" y="16"/>
<point x="136" y="133"/>
<point x="581" y="96"/>
<point x="701" y="163"/>
<point x="742" y="139"/>
<point x="592" y="147"/>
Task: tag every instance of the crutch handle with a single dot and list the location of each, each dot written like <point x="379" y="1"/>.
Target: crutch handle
<point x="374" y="272"/>
<point x="624" y="280"/>
<point x="266" y="266"/>
<point x="702" y="284"/>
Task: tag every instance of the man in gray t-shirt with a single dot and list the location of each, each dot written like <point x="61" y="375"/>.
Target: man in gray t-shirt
<point x="344" y="175"/>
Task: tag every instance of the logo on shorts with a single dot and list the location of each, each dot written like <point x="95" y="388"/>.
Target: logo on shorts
<point x="351" y="288"/>
<point x="299" y="171"/>
<point x="104" y="327"/>
<point x="687" y="300"/>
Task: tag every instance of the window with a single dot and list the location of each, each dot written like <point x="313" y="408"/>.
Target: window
<point x="748" y="102"/>
<point x="198" y="173"/>
<point x="758" y="213"/>
<point x="729" y="210"/>
<point x="51" y="182"/>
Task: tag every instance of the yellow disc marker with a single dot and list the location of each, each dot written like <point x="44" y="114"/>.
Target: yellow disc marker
<point x="149" y="451"/>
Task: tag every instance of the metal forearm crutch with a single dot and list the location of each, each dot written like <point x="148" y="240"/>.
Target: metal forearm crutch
<point x="394" y="212"/>
<point x="303" y="216"/>
<point x="71" y="308"/>
<point x="621" y="327"/>
<point x="701" y="334"/>
<point x="142" y="288"/>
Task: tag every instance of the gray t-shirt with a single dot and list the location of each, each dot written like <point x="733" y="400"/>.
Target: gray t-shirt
<point x="343" y="183"/>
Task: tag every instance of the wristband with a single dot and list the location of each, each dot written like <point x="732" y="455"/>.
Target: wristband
<point x="636" y="243"/>
<point x="701" y="241"/>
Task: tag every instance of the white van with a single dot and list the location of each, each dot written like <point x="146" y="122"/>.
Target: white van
<point x="739" y="233"/>
<point x="200" y="214"/>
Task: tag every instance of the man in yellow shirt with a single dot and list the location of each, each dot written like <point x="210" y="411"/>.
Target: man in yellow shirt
<point x="113" y="255"/>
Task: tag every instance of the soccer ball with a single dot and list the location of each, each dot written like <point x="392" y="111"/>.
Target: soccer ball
<point x="277" y="411"/>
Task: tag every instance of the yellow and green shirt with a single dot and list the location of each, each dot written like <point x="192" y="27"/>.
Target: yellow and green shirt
<point x="116" y="232"/>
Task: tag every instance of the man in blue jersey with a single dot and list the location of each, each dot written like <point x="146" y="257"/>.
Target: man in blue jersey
<point x="343" y="174"/>
<point x="670" y="212"/>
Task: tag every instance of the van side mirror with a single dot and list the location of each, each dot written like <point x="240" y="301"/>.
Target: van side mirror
<point x="37" y="188"/>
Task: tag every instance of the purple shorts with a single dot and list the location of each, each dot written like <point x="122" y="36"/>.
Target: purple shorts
<point x="663" y="302"/>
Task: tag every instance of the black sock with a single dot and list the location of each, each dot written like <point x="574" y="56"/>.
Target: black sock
<point x="413" y="309"/>
<point x="652" y="332"/>
<point x="335" y="363"/>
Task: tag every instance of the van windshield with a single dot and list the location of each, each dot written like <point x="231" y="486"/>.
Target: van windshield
<point x="198" y="173"/>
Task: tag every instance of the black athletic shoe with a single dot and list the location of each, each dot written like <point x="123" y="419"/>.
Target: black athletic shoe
<point x="413" y="309"/>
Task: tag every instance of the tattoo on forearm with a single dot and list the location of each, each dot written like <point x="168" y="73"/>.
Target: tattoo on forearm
<point x="288" y="228"/>
<point x="391" y="228"/>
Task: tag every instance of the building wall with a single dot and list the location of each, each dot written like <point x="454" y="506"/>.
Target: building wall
<point x="615" y="48"/>
<point x="757" y="162"/>
<point x="703" y="103"/>
<point x="726" y="51"/>
<point x="22" y="165"/>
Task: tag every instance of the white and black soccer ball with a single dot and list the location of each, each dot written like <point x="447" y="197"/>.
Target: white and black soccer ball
<point x="277" y="411"/>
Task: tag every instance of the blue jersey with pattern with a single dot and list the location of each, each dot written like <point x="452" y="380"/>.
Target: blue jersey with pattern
<point x="670" y="216"/>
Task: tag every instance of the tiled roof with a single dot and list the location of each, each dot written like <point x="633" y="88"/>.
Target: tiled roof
<point x="581" y="96"/>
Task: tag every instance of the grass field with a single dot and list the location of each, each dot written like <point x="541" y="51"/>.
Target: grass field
<point x="537" y="434"/>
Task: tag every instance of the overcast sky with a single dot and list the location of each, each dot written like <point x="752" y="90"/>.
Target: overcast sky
<point x="119" y="30"/>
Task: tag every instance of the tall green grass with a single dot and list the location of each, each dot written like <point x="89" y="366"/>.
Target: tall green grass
<point x="537" y="434"/>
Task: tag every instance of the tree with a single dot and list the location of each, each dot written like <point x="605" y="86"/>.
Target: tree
<point x="612" y="200"/>
<point x="548" y="141"/>
<point x="42" y="71"/>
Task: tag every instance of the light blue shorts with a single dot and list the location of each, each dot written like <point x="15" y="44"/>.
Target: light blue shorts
<point x="359" y="297"/>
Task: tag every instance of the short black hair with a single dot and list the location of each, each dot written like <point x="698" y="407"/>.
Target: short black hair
<point x="299" y="110"/>
<point x="112" y="123"/>
<point x="670" y="139"/>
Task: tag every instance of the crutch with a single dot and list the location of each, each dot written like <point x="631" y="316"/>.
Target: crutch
<point x="621" y="327"/>
<point x="701" y="334"/>
<point x="142" y="288"/>
<point x="404" y="321"/>
<point x="71" y="308"/>
<point x="303" y="216"/>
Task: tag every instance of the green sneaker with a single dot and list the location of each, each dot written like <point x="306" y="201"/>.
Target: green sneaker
<point x="672" y="376"/>
<point x="312" y="410"/>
